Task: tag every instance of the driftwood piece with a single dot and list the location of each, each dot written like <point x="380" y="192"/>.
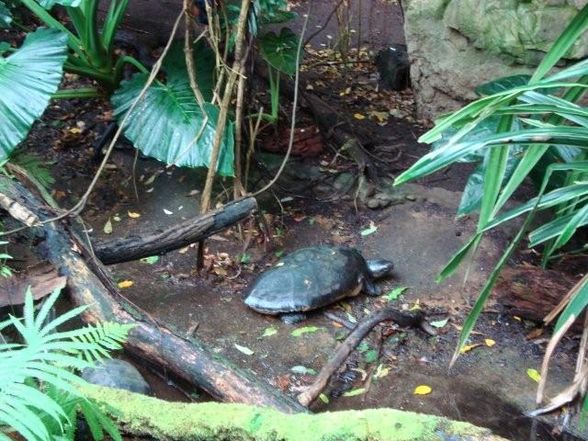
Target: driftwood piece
<point x="403" y="319"/>
<point x="215" y="422"/>
<point x="177" y="236"/>
<point x="531" y="292"/>
<point x="89" y="284"/>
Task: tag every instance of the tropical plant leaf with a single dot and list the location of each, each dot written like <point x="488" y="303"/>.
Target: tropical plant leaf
<point x="34" y="71"/>
<point x="502" y="84"/>
<point x="552" y="229"/>
<point x="168" y="124"/>
<point x="577" y="304"/>
<point x="5" y="16"/>
<point x="280" y="50"/>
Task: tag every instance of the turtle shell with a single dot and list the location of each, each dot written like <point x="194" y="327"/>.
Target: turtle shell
<point x="308" y="279"/>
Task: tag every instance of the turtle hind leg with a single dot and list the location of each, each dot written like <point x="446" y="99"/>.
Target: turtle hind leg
<point x="370" y="288"/>
<point x="291" y="318"/>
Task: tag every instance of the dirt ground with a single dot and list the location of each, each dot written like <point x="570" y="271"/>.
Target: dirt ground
<point x="314" y="204"/>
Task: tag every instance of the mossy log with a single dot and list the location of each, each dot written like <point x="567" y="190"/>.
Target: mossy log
<point x="89" y="283"/>
<point x="215" y="421"/>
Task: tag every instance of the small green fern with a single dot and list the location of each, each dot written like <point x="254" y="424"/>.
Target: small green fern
<point x="38" y="397"/>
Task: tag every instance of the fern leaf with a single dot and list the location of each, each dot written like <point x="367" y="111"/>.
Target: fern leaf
<point x="43" y="313"/>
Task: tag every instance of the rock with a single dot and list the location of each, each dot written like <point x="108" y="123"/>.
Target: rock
<point x="393" y="67"/>
<point x="523" y="30"/>
<point x="456" y="45"/>
<point x="117" y="374"/>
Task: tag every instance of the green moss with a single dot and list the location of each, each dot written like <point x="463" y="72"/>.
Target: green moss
<point x="142" y="415"/>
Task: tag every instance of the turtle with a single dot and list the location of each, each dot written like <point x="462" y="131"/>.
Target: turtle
<point x="313" y="277"/>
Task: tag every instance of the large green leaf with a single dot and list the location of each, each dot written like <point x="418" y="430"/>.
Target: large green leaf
<point x="168" y="124"/>
<point x="5" y="15"/>
<point x="502" y="84"/>
<point x="28" y="78"/>
<point x="280" y="50"/>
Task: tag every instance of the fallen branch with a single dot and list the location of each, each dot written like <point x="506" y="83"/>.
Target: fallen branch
<point x="214" y="422"/>
<point x="90" y="284"/>
<point x="353" y="339"/>
<point x="177" y="236"/>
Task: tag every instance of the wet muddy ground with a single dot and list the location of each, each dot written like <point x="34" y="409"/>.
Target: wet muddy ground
<point x="488" y="386"/>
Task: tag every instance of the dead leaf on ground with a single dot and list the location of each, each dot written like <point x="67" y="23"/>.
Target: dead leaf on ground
<point x="43" y="279"/>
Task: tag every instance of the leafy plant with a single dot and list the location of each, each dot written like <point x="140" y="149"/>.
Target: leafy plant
<point x="34" y="72"/>
<point x="5" y="16"/>
<point x="5" y="270"/>
<point x="38" y="394"/>
<point x="539" y="130"/>
<point x="91" y="44"/>
<point x="168" y="124"/>
<point x="279" y="52"/>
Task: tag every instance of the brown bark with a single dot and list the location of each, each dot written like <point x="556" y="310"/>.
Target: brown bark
<point x="177" y="236"/>
<point x="353" y="339"/>
<point x="531" y="292"/>
<point x="89" y="283"/>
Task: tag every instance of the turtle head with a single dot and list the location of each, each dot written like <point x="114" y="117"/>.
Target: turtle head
<point x="380" y="267"/>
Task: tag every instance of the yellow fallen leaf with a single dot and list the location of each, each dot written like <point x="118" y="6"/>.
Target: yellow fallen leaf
<point x="133" y="214"/>
<point x="380" y="116"/>
<point x="125" y="284"/>
<point x="534" y="375"/>
<point x="468" y="348"/>
<point x="359" y="116"/>
<point x="108" y="227"/>
<point x="416" y="306"/>
<point x="381" y="371"/>
<point x="517" y="318"/>
<point x="346" y="92"/>
<point x="423" y="389"/>
<point x="489" y="342"/>
<point x="75" y="130"/>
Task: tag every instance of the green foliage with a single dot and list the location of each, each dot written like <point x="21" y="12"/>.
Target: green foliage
<point x="522" y="127"/>
<point x="41" y="57"/>
<point x="5" y="15"/>
<point x="5" y="270"/>
<point x="35" y="166"/>
<point x="91" y="44"/>
<point x="38" y="395"/>
<point x="168" y="124"/>
<point x="280" y="50"/>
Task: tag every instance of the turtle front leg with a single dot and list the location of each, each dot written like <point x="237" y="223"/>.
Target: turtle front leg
<point x="370" y="288"/>
<point x="292" y="318"/>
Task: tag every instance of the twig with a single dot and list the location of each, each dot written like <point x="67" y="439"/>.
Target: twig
<point x="354" y="338"/>
<point x="238" y="188"/>
<point x="224" y="108"/>
<point x="294" y="106"/>
<point x="324" y="25"/>
<point x="190" y="57"/>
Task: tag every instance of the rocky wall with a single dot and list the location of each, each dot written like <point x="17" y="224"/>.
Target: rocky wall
<point x="455" y="45"/>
